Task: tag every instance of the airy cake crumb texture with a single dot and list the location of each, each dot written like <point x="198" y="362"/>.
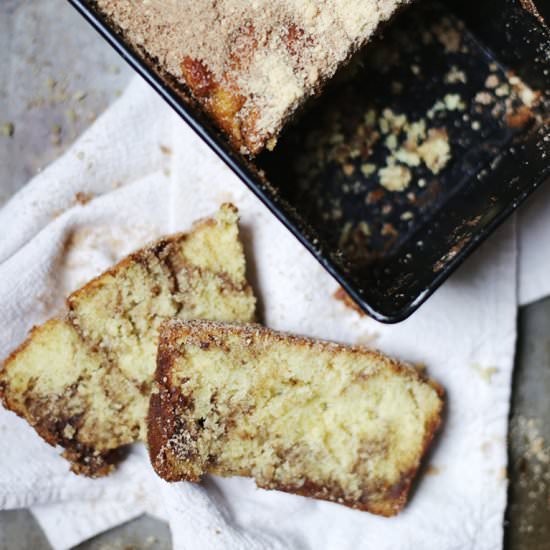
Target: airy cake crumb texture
<point x="310" y="417"/>
<point x="84" y="381"/>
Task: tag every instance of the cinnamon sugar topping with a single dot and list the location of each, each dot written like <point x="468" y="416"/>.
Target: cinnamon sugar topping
<point x="272" y="54"/>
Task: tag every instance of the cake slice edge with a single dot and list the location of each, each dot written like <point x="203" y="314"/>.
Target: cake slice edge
<point x="169" y="405"/>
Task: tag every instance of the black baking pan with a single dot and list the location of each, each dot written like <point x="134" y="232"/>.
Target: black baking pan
<point x="472" y="77"/>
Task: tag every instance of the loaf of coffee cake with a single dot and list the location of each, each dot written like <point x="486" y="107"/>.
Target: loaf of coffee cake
<point x="309" y="417"/>
<point x="83" y="382"/>
<point x="249" y="64"/>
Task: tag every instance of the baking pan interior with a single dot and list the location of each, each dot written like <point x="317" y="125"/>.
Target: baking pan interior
<point x="426" y="142"/>
<point x="419" y="148"/>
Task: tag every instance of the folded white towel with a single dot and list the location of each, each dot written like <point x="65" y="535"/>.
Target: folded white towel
<point x="146" y="174"/>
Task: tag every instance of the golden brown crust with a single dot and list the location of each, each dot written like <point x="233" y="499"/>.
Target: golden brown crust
<point x="169" y="410"/>
<point x="164" y="407"/>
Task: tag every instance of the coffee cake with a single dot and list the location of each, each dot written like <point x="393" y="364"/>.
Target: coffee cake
<point x="309" y="417"/>
<point x="83" y="382"/>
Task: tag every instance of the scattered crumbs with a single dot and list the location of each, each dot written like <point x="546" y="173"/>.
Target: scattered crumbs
<point x="406" y="216"/>
<point x="354" y="239"/>
<point x="415" y="69"/>
<point x="391" y="142"/>
<point x="363" y="228"/>
<point x="367" y="169"/>
<point x="476" y="125"/>
<point x="526" y="94"/>
<point x="453" y="102"/>
<point x="405" y="156"/>
<point x="165" y="150"/>
<point x="218" y="531"/>
<point x="455" y="76"/>
<point x="388" y="230"/>
<point x="395" y="122"/>
<point x="71" y="115"/>
<point x="8" y="129"/>
<point x="116" y="184"/>
<point x="348" y="301"/>
<point x="348" y="169"/>
<point x="83" y="198"/>
<point x="51" y="84"/>
<point x="519" y="117"/>
<point x="395" y="178"/>
<point x="483" y="98"/>
<point x="448" y="35"/>
<point x="80" y="155"/>
<point x="436" y="151"/>
<point x="432" y="470"/>
<point x="486" y="373"/>
<point x="56" y="134"/>
<point x="370" y="118"/>
<point x="455" y="249"/>
<point x="492" y="81"/>
<point x="79" y="95"/>
<point x="375" y="196"/>
<point x="502" y="91"/>
<point x="421" y="183"/>
<point x="387" y="209"/>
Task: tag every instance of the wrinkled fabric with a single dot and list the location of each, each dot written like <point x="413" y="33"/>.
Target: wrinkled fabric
<point x="140" y="172"/>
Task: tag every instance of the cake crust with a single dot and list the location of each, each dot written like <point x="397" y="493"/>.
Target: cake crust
<point x="175" y="434"/>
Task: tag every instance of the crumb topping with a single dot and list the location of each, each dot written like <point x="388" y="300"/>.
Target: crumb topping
<point x="272" y="54"/>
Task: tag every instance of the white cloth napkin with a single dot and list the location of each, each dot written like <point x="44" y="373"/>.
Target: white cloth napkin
<point x="142" y="172"/>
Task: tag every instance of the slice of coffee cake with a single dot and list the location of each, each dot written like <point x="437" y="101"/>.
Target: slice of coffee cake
<point x="84" y="381"/>
<point x="310" y="417"/>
